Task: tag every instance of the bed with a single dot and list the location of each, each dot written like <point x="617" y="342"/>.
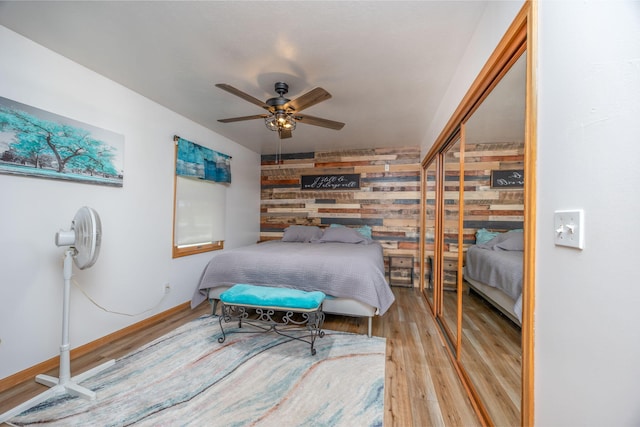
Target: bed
<point x="339" y="261"/>
<point x="493" y="269"/>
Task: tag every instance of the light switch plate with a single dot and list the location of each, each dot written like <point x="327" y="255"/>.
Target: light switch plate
<point x="568" y="228"/>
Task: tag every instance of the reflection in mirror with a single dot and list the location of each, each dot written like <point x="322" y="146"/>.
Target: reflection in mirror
<point x="491" y="352"/>
<point x="451" y="232"/>
<point x="429" y="231"/>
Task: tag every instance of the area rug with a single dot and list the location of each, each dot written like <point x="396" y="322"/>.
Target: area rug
<point x="187" y="378"/>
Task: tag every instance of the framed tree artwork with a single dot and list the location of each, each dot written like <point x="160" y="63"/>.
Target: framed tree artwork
<point x="38" y="143"/>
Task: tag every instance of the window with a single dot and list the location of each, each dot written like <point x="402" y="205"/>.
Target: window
<point x="199" y="199"/>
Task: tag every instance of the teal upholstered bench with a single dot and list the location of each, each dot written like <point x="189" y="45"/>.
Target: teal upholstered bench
<point x="258" y="305"/>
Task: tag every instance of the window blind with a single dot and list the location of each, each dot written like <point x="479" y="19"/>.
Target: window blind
<point x="200" y="212"/>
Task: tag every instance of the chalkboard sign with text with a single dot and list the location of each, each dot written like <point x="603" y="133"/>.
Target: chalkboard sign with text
<point x="330" y="182"/>
<point x="507" y="178"/>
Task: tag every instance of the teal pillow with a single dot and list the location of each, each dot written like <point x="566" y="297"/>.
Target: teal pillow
<point x="483" y="236"/>
<point x="365" y="230"/>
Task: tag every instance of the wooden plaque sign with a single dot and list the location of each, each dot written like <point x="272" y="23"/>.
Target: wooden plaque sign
<point x="330" y="182"/>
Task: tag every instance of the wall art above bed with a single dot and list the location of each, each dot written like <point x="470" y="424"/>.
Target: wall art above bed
<point x="41" y="144"/>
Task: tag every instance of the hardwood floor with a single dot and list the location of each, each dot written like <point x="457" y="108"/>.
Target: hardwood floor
<point x="421" y="385"/>
<point x="491" y="355"/>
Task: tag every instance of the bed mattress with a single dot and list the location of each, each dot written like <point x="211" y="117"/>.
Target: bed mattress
<point x="342" y="270"/>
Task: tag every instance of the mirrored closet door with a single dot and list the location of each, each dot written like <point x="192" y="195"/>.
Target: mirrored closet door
<point x="493" y="191"/>
<point x="478" y="196"/>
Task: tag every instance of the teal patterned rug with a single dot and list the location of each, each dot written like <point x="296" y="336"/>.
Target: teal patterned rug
<point x="187" y="378"/>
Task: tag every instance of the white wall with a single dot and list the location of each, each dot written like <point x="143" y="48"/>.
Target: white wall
<point x="587" y="349"/>
<point x="135" y="260"/>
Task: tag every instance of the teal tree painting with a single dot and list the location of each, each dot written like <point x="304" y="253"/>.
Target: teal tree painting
<point x="37" y="143"/>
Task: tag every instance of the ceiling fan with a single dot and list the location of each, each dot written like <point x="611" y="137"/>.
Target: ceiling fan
<point x="283" y="112"/>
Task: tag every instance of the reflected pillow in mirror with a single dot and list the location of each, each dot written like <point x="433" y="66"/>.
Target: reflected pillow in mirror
<point x="483" y="236"/>
<point x="509" y="241"/>
<point x="513" y="241"/>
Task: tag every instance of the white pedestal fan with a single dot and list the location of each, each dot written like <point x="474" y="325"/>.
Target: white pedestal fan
<point x="83" y="241"/>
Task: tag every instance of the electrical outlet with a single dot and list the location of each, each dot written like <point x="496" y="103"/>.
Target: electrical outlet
<point x="167" y="288"/>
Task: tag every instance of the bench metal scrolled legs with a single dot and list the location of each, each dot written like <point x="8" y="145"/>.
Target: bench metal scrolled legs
<point x="263" y="319"/>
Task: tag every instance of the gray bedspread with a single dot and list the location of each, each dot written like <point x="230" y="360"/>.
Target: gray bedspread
<point x="497" y="268"/>
<point x="337" y="269"/>
<point x="498" y="263"/>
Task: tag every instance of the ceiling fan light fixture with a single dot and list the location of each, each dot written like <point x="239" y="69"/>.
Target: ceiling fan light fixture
<point x="279" y="121"/>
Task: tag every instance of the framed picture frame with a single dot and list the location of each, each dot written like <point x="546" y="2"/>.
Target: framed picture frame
<point x="38" y="143"/>
<point x="512" y="178"/>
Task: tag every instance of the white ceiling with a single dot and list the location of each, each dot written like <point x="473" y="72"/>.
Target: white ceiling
<point x="386" y="63"/>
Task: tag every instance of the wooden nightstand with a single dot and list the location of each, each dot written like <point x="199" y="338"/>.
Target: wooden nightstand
<point x="450" y="270"/>
<point x="450" y="276"/>
<point x="402" y="265"/>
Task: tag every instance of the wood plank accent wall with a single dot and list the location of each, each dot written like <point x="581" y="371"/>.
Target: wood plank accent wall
<point x="498" y="209"/>
<point x="388" y="201"/>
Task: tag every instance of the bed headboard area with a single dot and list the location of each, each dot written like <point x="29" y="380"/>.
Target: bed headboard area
<point x="488" y="205"/>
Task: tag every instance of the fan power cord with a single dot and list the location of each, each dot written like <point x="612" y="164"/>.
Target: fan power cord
<point x="77" y="285"/>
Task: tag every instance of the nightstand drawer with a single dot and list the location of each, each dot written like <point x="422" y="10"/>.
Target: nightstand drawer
<point x="450" y="264"/>
<point x="403" y="262"/>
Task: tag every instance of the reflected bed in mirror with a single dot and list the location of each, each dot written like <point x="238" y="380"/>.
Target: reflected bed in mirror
<point x="494" y="270"/>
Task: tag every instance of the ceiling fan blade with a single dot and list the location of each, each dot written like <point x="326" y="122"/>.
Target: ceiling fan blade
<point x="317" y="121"/>
<point x="284" y="133"/>
<point x="237" y="92"/>
<point x="239" y="119"/>
<point x="313" y="97"/>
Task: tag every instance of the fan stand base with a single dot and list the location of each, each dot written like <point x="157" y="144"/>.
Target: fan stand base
<point x="58" y="388"/>
<point x="72" y="386"/>
<point x="65" y="384"/>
